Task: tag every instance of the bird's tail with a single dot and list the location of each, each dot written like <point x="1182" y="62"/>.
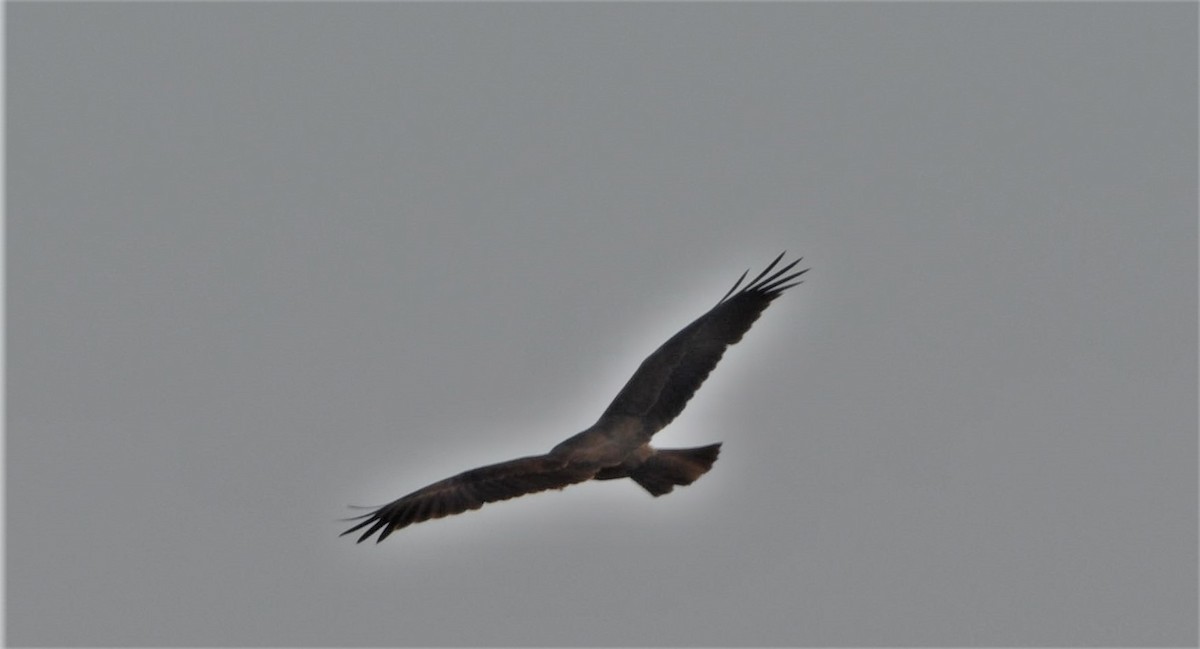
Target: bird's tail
<point x="674" y="466"/>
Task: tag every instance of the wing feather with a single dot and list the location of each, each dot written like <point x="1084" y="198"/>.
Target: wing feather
<point x="667" y="379"/>
<point x="470" y="490"/>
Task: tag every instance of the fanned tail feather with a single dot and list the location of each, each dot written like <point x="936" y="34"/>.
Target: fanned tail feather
<point x="668" y="468"/>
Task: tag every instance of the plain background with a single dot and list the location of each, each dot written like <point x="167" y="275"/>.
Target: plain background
<point x="268" y="260"/>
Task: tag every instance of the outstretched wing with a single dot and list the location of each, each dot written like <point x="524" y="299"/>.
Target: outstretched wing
<point x="470" y="490"/>
<point x="668" y="378"/>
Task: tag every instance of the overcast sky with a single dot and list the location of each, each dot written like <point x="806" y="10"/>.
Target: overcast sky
<point x="269" y="260"/>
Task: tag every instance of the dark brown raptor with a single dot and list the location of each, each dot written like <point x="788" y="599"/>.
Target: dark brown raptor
<point x="618" y="444"/>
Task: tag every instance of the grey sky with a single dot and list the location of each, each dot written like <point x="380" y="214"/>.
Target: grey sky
<point x="268" y="260"/>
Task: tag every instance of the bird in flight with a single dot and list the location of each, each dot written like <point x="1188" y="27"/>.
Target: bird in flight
<point x="618" y="444"/>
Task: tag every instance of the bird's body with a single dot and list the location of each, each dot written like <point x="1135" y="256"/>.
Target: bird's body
<point x="605" y="443"/>
<point x="618" y="444"/>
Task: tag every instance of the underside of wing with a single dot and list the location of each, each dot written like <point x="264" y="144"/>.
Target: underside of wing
<point x="668" y="378"/>
<point x="471" y="490"/>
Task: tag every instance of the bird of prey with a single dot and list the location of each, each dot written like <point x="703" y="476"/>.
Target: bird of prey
<point x="618" y="444"/>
